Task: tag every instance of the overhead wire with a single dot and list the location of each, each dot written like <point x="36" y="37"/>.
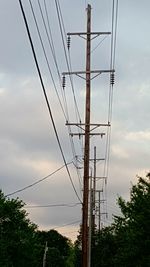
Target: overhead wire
<point x="112" y="66"/>
<point x="67" y="224"/>
<point x="50" y="39"/>
<point x="45" y="55"/>
<point x="115" y="35"/>
<point x="99" y="44"/>
<point x="68" y="61"/>
<point x="72" y="232"/>
<point x="51" y="43"/>
<point x="52" y="206"/>
<point x="110" y="101"/>
<point x="110" y="93"/>
<point x="46" y="98"/>
<point x="65" y="100"/>
<point x="37" y="182"/>
<point x="58" y="72"/>
<point x="108" y="134"/>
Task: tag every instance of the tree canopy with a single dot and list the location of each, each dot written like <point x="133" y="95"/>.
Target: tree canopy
<point x="126" y="242"/>
<point x="22" y="244"/>
<point x="17" y="233"/>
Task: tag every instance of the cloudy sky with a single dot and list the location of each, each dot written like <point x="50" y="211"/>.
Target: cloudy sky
<point x="29" y="149"/>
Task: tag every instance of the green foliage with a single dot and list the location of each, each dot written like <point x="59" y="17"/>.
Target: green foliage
<point x="132" y="229"/>
<point x="127" y="242"/>
<point x="21" y="244"/>
<point x="77" y="250"/>
<point x="57" y="244"/>
<point x="104" y="248"/>
<point x="16" y="234"/>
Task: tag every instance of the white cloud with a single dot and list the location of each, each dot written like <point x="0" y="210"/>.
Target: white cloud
<point x="119" y="152"/>
<point x="140" y="136"/>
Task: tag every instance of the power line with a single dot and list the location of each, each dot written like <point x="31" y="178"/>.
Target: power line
<point x="62" y="29"/>
<point x="72" y="232"/>
<point x="52" y="206"/>
<point x="37" y="182"/>
<point x="67" y="224"/>
<point x="50" y="40"/>
<point x="99" y="44"/>
<point x="115" y="35"/>
<point x="59" y="14"/>
<point x="112" y="65"/>
<point x="55" y="60"/>
<point x="46" y="58"/>
<point x="110" y="98"/>
<point x="46" y="98"/>
<point x="69" y="68"/>
<point x="51" y="44"/>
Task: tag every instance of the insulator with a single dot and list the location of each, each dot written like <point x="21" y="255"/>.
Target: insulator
<point x="63" y="82"/>
<point x="112" y="78"/>
<point x="68" y="42"/>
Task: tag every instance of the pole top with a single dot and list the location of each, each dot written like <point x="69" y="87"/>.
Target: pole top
<point x="88" y="7"/>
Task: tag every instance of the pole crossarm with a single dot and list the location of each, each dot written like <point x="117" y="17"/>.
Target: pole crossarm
<point x="101" y="201"/>
<point x="94" y="34"/>
<point x="83" y="34"/>
<point x="101" y="177"/>
<point x="79" y="73"/>
<point x="103" y="213"/>
<point x="95" y="125"/>
<point x="97" y="160"/>
<point x="101" y="134"/>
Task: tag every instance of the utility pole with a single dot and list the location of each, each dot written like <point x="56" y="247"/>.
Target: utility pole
<point x="94" y="192"/>
<point x="44" y="256"/>
<point x="87" y="127"/>
<point x="90" y="222"/>
<point x="87" y="144"/>
<point x="99" y="210"/>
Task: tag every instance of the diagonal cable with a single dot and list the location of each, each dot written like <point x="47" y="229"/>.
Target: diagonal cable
<point x="46" y="98"/>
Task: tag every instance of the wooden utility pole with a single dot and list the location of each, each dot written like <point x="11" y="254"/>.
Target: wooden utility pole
<point x="87" y="127"/>
<point x="99" y="210"/>
<point x="87" y="144"/>
<point x="44" y="256"/>
<point x="94" y="192"/>
<point x="90" y="222"/>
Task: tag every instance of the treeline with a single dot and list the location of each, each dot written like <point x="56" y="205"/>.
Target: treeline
<point x="22" y="244"/>
<point x="125" y="243"/>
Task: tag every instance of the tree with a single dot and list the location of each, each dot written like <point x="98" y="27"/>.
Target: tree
<point x="22" y="244"/>
<point x="59" y="248"/>
<point x="78" y="249"/>
<point x="132" y="229"/>
<point x="104" y="249"/>
<point x="17" y="234"/>
<point x="126" y="242"/>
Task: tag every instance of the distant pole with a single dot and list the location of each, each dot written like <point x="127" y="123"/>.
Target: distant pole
<point x="94" y="191"/>
<point x="90" y="221"/>
<point x="99" y="211"/>
<point x="87" y="144"/>
<point x="44" y="256"/>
